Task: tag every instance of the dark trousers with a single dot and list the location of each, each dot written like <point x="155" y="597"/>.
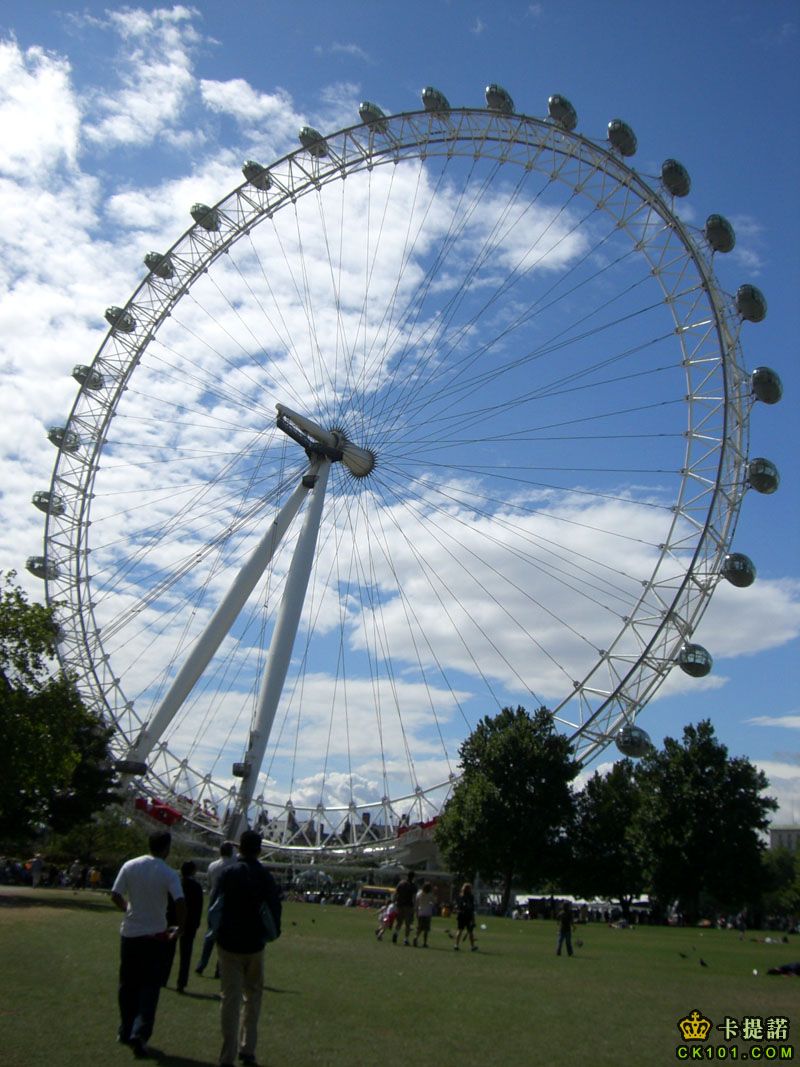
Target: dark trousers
<point x="185" y="956"/>
<point x="184" y="945"/>
<point x="142" y="966"/>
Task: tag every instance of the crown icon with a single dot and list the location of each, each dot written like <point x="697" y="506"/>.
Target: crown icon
<point x="694" y="1027"/>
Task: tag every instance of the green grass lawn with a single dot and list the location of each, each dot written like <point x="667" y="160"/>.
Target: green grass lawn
<point x="336" y="996"/>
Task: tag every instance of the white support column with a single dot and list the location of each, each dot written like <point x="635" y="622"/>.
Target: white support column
<point x="280" y="649"/>
<point x="220" y="623"/>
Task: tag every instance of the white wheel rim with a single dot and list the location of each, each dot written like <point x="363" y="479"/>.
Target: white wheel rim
<point x="619" y="217"/>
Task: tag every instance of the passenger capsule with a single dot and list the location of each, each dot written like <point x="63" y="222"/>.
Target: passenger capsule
<point x="130" y="766"/>
<point x="719" y="233"/>
<point x="205" y="216"/>
<point x="633" y="741"/>
<point x="119" y="319"/>
<point x="41" y="567"/>
<point x="89" y="378"/>
<point x="762" y="475"/>
<point x="313" y="141"/>
<point x="695" y="660"/>
<point x="751" y="303"/>
<point x="562" y="112"/>
<point x="256" y="174"/>
<point x="433" y="100"/>
<point x="66" y="440"/>
<point x="159" y="264"/>
<point x="738" y="569"/>
<point x="675" y="178"/>
<point x="372" y="115"/>
<point x="497" y="99"/>
<point x="49" y="503"/>
<point x="766" y="385"/>
<point x="622" y="137"/>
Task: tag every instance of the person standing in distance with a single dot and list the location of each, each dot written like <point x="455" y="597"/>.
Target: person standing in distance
<point x="244" y="887"/>
<point x="566" y="920"/>
<point x="142" y="890"/>
<point x="213" y="874"/>
<point x="465" y="917"/>
<point x="404" y="894"/>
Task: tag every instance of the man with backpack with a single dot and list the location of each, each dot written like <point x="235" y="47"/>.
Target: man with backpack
<point x="244" y="889"/>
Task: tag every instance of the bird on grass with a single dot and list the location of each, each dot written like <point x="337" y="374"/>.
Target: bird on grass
<point x="703" y="962"/>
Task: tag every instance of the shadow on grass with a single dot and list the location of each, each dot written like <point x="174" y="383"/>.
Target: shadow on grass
<point x="169" y="1059"/>
<point x="189" y="994"/>
<point x="32" y="898"/>
<point x="199" y="996"/>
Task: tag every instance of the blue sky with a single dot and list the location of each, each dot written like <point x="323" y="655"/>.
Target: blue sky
<point x="118" y="118"/>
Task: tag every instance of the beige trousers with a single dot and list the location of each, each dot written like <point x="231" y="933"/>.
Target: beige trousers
<point x="242" y="979"/>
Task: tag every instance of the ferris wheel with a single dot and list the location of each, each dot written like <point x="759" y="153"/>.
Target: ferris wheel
<point x="440" y="413"/>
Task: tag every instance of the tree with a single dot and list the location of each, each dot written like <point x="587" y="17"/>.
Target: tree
<point x="106" y="840"/>
<point x="781" y="882"/>
<point x="605" y="860"/>
<point x="55" y="766"/>
<point x="699" y="822"/>
<point x="510" y="808"/>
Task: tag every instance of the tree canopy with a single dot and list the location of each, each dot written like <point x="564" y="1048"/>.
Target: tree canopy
<point x="55" y="767"/>
<point x="605" y="860"/>
<point x="511" y="807"/>
<point x="698" y="826"/>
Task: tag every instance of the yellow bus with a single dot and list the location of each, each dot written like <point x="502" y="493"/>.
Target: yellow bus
<point x="374" y="896"/>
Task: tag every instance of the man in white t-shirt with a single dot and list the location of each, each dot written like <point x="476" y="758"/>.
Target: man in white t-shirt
<point x="142" y="890"/>
<point x="213" y="874"/>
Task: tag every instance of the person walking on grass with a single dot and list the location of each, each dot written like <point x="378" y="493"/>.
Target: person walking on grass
<point x="142" y="890"/>
<point x="425" y="906"/>
<point x="242" y="889"/>
<point x="465" y="917"/>
<point x="213" y="875"/>
<point x="404" y="894"/>
<point x="566" y="920"/>
<point x="193" y="895"/>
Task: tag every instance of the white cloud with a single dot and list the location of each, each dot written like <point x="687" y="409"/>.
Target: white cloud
<point x="252" y="108"/>
<point x="784" y="786"/>
<point x="786" y="722"/>
<point x="743" y="622"/>
<point x="353" y="51"/>
<point x="155" y="72"/>
<point x="39" y="114"/>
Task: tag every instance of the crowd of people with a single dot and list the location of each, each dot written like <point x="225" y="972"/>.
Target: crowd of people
<point x="411" y="906"/>
<point x="39" y="873"/>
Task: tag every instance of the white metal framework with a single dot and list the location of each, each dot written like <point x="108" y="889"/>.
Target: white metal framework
<point x="540" y="383"/>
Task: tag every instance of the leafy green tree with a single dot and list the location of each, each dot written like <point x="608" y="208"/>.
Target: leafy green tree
<point x="605" y="860"/>
<point x="106" y="840"/>
<point x="55" y="768"/>
<point x="699" y="822"/>
<point x="510" y="809"/>
<point x="781" y="882"/>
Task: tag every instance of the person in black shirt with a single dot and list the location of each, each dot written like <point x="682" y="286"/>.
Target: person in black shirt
<point x="244" y="887"/>
<point x="193" y="895"/>
<point x="404" y="895"/>
<point x="465" y="917"/>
